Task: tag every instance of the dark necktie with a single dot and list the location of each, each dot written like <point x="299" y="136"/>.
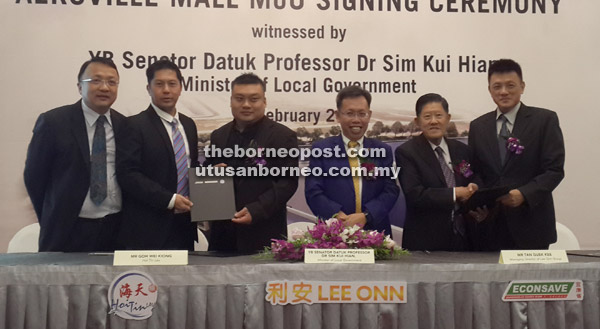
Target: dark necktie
<point x="458" y="225"/>
<point x="503" y="137"/>
<point x="180" y="160"/>
<point x="448" y="174"/>
<point x="98" y="163"/>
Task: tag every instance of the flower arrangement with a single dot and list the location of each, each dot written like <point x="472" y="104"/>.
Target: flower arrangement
<point x="513" y="145"/>
<point x="464" y="168"/>
<point x="333" y="234"/>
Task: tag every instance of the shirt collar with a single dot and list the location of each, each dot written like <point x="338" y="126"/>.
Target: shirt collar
<point x="164" y="115"/>
<point x="347" y="140"/>
<point x="443" y="145"/>
<point x="91" y="116"/>
<point x="511" y="115"/>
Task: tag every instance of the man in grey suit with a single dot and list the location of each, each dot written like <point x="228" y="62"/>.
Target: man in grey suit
<point x="70" y="166"/>
<point x="520" y="147"/>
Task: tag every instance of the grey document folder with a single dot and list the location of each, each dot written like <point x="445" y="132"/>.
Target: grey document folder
<point x="212" y="196"/>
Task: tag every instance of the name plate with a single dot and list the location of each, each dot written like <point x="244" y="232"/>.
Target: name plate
<point x="339" y="256"/>
<point x="150" y="257"/>
<point x="533" y="256"/>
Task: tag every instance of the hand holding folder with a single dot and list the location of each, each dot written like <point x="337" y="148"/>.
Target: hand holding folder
<point x="486" y="197"/>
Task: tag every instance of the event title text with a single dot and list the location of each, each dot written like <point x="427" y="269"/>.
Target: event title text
<point x="436" y="6"/>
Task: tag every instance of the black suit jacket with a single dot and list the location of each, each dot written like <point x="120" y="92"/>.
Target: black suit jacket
<point x="536" y="172"/>
<point x="429" y="202"/>
<point x="265" y="197"/>
<point x="148" y="178"/>
<point x="57" y="171"/>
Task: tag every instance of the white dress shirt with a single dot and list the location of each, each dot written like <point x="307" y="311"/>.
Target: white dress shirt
<point x="166" y="120"/>
<point x="112" y="203"/>
<point x="447" y="159"/>
<point x="510" y="116"/>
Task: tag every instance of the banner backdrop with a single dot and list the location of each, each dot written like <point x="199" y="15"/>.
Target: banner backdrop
<point x="307" y="50"/>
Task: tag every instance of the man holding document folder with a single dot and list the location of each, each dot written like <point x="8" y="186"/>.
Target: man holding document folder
<point x="152" y="168"/>
<point x="260" y="201"/>
<point x="519" y="149"/>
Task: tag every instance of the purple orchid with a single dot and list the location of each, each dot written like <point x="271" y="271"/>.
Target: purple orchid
<point x="464" y="169"/>
<point x="513" y="145"/>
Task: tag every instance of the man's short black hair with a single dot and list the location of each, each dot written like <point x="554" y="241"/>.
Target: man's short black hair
<point x="101" y="60"/>
<point x="352" y="92"/>
<point x="248" y="79"/>
<point x="162" y="64"/>
<point x="431" y="98"/>
<point x="505" y="66"/>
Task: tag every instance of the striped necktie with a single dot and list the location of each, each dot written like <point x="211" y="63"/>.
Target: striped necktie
<point x="180" y="160"/>
<point x="448" y="174"/>
<point x="354" y="163"/>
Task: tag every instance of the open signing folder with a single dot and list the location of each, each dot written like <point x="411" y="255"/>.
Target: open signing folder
<point x="212" y="196"/>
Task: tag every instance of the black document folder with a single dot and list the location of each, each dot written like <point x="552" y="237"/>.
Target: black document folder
<point x="486" y="197"/>
<point x="213" y="197"/>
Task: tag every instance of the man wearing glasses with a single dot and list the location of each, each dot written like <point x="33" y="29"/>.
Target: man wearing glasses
<point x="70" y="167"/>
<point x="362" y="200"/>
<point x="520" y="147"/>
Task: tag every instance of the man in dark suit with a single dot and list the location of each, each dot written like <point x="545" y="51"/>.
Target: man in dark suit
<point x="152" y="168"/>
<point x="435" y="179"/>
<point x="364" y="201"/>
<point x="260" y="201"/>
<point x="70" y="167"/>
<point x="520" y="147"/>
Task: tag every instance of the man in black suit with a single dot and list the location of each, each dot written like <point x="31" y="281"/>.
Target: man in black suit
<point x="435" y="179"/>
<point x="152" y="168"/>
<point x="70" y="167"/>
<point x="260" y="201"/>
<point x="520" y="147"/>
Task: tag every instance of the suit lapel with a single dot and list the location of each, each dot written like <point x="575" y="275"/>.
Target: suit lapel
<point x="430" y="158"/>
<point x="491" y="139"/>
<point x="156" y="122"/>
<point x="342" y="162"/>
<point x="78" y="127"/>
<point x="188" y="125"/>
<point x="520" y="126"/>
<point x="220" y="139"/>
<point x="456" y="159"/>
<point x="263" y="132"/>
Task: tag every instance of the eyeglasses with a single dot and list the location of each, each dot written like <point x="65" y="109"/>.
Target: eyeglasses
<point x="352" y="115"/>
<point x="98" y="82"/>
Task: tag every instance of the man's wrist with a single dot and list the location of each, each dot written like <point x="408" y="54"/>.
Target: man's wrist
<point x="172" y="202"/>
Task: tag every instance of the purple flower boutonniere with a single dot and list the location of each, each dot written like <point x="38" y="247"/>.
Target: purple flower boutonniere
<point x="464" y="169"/>
<point x="258" y="159"/>
<point x="513" y="145"/>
